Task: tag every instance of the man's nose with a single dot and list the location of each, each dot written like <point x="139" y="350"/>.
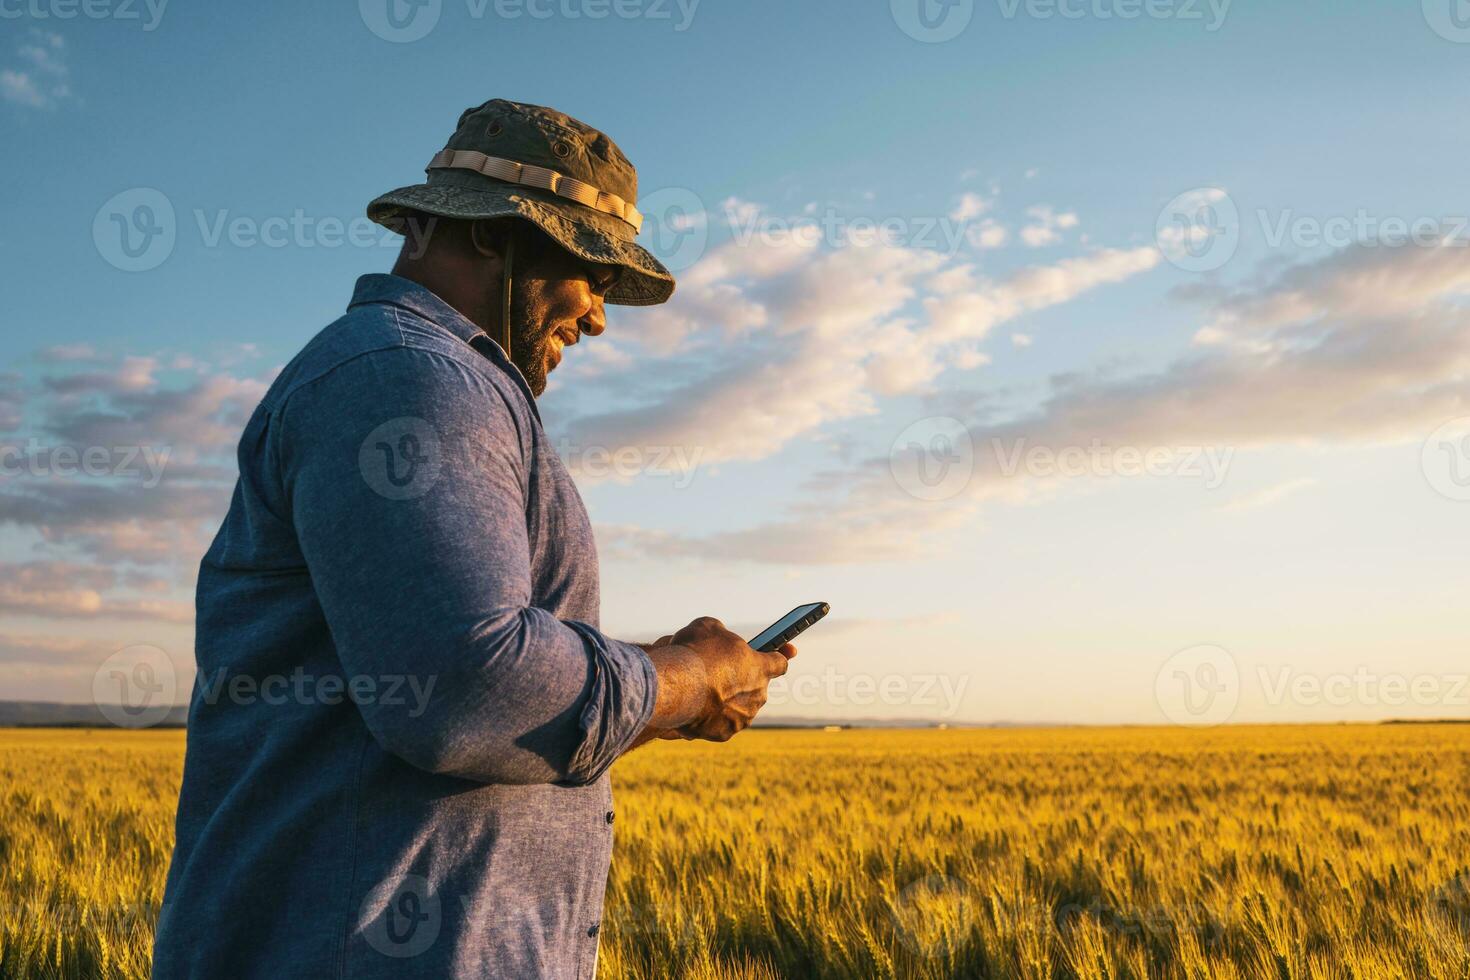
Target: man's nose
<point x="595" y="320"/>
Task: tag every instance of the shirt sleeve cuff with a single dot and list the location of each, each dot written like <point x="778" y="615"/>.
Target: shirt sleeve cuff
<point x="624" y="690"/>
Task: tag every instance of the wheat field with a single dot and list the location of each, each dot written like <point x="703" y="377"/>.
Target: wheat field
<point x="1286" y="852"/>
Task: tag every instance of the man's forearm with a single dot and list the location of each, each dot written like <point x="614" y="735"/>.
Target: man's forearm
<point x="649" y="734"/>
<point x="682" y="685"/>
<point x="681" y="692"/>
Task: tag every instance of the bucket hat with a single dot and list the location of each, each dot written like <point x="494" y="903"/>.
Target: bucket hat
<point x="512" y="159"/>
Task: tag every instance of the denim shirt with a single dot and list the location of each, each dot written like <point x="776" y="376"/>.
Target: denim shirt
<point x="399" y="739"/>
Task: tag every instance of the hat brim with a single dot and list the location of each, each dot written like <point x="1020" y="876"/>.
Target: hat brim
<point x="584" y="232"/>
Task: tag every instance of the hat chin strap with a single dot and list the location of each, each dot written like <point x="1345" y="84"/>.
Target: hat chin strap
<point x="510" y="252"/>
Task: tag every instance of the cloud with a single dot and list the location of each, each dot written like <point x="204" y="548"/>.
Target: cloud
<point x="966" y="308"/>
<point x="746" y="411"/>
<point x="1268" y="496"/>
<point x="820" y="335"/>
<point x="1357" y="287"/>
<point x="130" y="375"/>
<point x="52" y="651"/>
<point x="1367" y="346"/>
<point x="121" y="462"/>
<point x="44" y="53"/>
<point x="20" y="88"/>
<point x="41" y="81"/>
<point x="970" y="207"/>
<point x="791" y="542"/>
<point x="116" y="473"/>
<point x="68" y="354"/>
<point x="12" y="402"/>
<point x="1181" y="239"/>
<point x="63" y="590"/>
<point x="989" y="235"/>
<point x="722" y="291"/>
<point x="1046" y="226"/>
<point x="202" y="418"/>
<point x="967" y="358"/>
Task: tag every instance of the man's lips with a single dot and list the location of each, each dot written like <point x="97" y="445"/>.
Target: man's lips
<point x="567" y="337"/>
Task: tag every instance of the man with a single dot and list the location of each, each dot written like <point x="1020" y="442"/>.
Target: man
<point x="399" y="742"/>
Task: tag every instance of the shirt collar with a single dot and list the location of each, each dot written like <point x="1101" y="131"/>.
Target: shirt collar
<point x="380" y="287"/>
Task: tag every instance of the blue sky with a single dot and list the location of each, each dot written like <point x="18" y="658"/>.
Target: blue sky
<point x="1106" y="231"/>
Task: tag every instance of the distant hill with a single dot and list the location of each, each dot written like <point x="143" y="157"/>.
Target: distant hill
<point x="21" y="714"/>
<point x="776" y="721"/>
<point x="48" y="714"/>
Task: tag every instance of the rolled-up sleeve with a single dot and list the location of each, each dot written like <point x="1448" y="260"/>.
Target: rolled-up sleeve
<point x="406" y="475"/>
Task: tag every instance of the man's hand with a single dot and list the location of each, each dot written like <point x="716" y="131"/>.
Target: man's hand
<point x="711" y="683"/>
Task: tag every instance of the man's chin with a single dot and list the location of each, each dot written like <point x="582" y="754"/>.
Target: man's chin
<point x="535" y="375"/>
<point x="542" y="361"/>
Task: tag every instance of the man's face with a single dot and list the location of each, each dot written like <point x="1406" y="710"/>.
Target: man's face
<point x="555" y="301"/>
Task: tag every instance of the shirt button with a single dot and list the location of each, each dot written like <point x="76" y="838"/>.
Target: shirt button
<point x="609" y="816"/>
<point x="592" y="929"/>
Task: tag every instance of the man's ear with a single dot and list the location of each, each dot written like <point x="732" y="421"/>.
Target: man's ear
<point x="488" y="237"/>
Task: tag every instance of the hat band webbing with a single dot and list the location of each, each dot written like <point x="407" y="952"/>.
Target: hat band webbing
<point x="547" y="180"/>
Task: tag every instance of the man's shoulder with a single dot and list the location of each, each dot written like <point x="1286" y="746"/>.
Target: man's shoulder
<point x="381" y="337"/>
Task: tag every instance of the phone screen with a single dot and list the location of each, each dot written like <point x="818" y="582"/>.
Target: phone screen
<point x="789" y="626"/>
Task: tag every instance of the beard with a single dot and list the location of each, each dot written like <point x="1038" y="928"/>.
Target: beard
<point x="530" y="340"/>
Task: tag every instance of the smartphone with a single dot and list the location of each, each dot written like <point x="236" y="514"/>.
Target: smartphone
<point x="788" y="627"/>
